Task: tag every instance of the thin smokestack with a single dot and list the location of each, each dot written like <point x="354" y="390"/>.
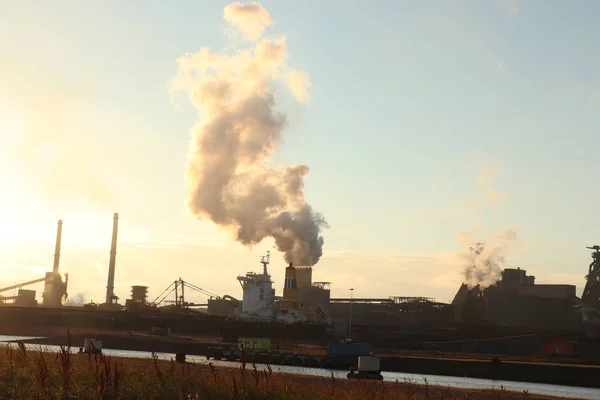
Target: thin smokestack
<point x="113" y="256"/>
<point x="57" y="248"/>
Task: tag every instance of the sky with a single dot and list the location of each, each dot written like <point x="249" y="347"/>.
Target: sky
<point x="426" y="123"/>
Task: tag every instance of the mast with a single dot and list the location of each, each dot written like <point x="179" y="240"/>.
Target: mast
<point x="264" y="260"/>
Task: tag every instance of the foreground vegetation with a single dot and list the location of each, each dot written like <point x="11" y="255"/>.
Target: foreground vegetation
<point x="40" y="375"/>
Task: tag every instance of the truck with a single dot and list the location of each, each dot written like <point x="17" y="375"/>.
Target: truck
<point x="254" y="344"/>
<point x="345" y="354"/>
<point x="368" y="368"/>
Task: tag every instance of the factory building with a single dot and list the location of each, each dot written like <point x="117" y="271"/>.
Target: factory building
<point x="391" y="311"/>
<point x="226" y="306"/>
<point x="311" y="297"/>
<point x="139" y="298"/>
<point x="516" y="301"/>
<point x="26" y="298"/>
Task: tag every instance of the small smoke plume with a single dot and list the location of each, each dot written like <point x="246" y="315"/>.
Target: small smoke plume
<point x="485" y="260"/>
<point x="77" y="300"/>
<point x="250" y="19"/>
<point x="229" y="181"/>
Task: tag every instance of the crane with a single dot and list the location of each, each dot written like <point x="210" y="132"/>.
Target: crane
<point x="178" y="287"/>
<point x="20" y="285"/>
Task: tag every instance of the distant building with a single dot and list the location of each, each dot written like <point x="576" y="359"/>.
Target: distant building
<point x="516" y="301"/>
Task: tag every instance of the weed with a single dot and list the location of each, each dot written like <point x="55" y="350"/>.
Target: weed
<point x="28" y="374"/>
<point x="64" y="356"/>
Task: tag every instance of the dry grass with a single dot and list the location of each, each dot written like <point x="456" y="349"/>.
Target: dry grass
<point x="39" y="375"/>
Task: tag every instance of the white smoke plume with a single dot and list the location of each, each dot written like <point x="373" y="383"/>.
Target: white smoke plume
<point x="251" y="19"/>
<point x="77" y="300"/>
<point x="229" y="181"/>
<point x="485" y="260"/>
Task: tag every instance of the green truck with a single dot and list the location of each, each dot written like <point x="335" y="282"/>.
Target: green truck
<point x="254" y="344"/>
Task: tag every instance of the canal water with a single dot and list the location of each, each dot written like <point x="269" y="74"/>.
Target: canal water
<point x="432" y="380"/>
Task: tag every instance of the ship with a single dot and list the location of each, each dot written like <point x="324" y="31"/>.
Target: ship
<point x="259" y="303"/>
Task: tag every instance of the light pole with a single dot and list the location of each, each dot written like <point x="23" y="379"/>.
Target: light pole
<point x="350" y="316"/>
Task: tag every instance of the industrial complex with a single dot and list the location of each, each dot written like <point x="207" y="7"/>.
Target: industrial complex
<point x="306" y="311"/>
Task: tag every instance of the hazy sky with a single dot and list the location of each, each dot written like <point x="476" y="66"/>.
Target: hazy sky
<point x="426" y="119"/>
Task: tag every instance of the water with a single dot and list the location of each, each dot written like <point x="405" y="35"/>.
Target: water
<point x="5" y="338"/>
<point x="432" y="380"/>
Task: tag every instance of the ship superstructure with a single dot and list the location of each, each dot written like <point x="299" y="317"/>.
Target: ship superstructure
<point x="259" y="302"/>
<point x="258" y="294"/>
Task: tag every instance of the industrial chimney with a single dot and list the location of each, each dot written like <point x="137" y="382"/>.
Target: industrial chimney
<point x="55" y="290"/>
<point x="111" y="266"/>
<point x="290" y="287"/>
<point x="57" y="248"/>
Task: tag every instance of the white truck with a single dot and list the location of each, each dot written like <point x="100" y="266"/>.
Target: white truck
<point x="368" y="368"/>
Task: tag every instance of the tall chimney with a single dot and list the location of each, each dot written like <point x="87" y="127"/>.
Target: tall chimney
<point x="57" y="248"/>
<point x="111" y="266"/>
<point x="290" y="287"/>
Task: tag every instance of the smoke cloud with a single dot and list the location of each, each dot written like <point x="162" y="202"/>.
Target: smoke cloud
<point x="78" y="300"/>
<point x="250" y="19"/>
<point x="485" y="260"/>
<point x="229" y="180"/>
